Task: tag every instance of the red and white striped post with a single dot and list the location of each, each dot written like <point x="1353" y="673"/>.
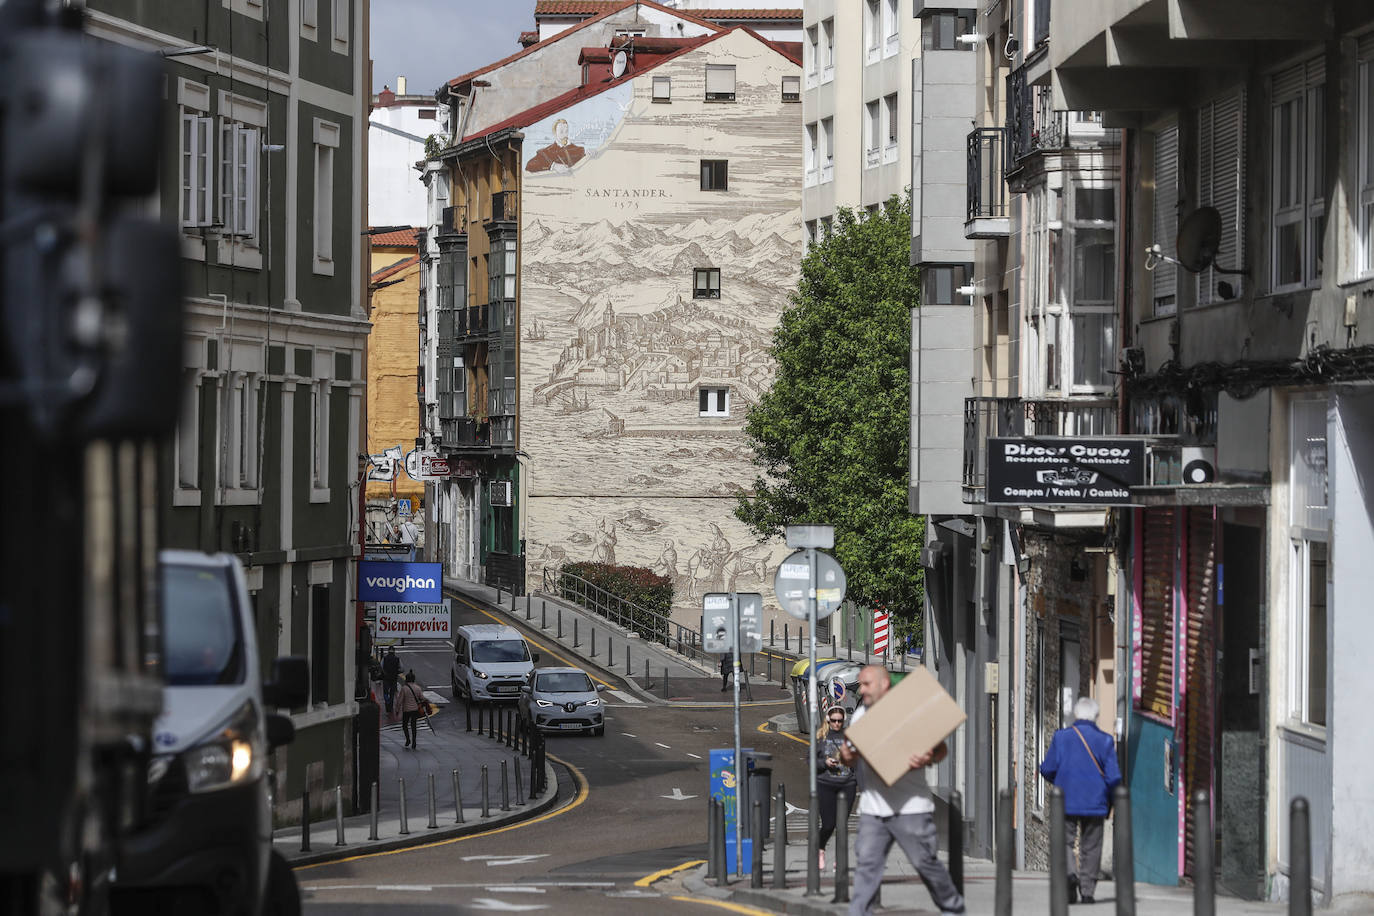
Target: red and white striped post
<point x="881" y="630"/>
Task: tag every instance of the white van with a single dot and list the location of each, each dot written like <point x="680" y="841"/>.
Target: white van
<point x="490" y="662"/>
<point x="206" y="843"/>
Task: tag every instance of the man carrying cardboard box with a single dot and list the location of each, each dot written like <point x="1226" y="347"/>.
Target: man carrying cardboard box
<point x="902" y="812"/>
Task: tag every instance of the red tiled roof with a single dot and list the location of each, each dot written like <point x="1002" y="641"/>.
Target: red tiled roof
<point x="574" y="7"/>
<point x="602" y="9"/>
<point x="792" y="50"/>
<point x="393" y="269"/>
<point x="400" y="238"/>
<point x="734" y="14"/>
<point x="529" y="38"/>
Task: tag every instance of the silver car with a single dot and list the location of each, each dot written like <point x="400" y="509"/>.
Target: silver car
<point x="562" y="699"/>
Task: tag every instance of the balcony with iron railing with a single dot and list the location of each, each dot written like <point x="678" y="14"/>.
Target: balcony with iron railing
<point x="986" y="418"/>
<point x="503" y="206"/>
<point x="987" y="216"/>
<point x="1034" y="126"/>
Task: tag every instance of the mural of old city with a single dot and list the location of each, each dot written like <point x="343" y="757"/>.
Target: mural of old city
<point x="615" y="348"/>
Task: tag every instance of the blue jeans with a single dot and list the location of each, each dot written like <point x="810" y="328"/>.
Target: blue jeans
<point x="916" y="835"/>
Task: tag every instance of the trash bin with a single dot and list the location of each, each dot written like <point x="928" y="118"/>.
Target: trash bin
<point x="826" y="669"/>
<point x="760" y="787"/>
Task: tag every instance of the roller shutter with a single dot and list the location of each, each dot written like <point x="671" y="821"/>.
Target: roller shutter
<point x="1157" y="613"/>
<point x="1199" y="702"/>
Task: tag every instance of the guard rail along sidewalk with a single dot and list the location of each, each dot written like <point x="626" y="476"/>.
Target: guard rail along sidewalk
<point x="648" y="624"/>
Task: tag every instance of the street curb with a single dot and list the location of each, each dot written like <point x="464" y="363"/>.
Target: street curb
<point x="760" y="897"/>
<point x="423" y="835"/>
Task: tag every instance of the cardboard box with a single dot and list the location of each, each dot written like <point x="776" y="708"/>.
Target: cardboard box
<point x="911" y="718"/>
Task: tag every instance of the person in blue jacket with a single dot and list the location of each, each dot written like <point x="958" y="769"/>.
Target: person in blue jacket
<point x="1081" y="761"/>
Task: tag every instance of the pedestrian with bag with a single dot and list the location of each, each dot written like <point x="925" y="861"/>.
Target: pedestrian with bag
<point x="833" y="778"/>
<point x="391" y="671"/>
<point x="902" y="813"/>
<point x="412" y="707"/>
<point x="1081" y="761"/>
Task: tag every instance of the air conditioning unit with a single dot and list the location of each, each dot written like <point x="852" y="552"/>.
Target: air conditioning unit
<point x="1198" y="464"/>
<point x="500" y="491"/>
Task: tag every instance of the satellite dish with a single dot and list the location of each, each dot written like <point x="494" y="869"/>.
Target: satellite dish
<point x="618" y="61"/>
<point x="1199" y="237"/>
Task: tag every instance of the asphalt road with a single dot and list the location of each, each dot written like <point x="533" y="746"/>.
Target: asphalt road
<point x="636" y="806"/>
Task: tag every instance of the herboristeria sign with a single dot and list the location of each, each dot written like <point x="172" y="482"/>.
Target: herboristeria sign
<point x="413" y="621"/>
<point x="1052" y="471"/>
<point x="409" y="582"/>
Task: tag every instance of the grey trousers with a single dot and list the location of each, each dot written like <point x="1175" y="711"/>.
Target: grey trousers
<point x="1088" y="831"/>
<point x="915" y="834"/>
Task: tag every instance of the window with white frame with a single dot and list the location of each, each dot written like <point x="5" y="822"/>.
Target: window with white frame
<point x="720" y="82"/>
<point x="873" y="130"/>
<point x="827" y="149"/>
<point x="873" y="31"/>
<point x="810" y="232"/>
<point x="813" y="55"/>
<point x="319" y="433"/>
<point x="812" y="152"/>
<point x="1164" y="276"/>
<point x="188" y="433"/>
<point x="791" y="88"/>
<point x="890" y="35"/>
<point x="310" y="19"/>
<point x="1309" y="517"/>
<point x="1364" y="124"/>
<point x="1092" y="228"/>
<point x="197" y="155"/>
<point x="242" y="410"/>
<point x="341" y="23"/>
<point x="1221" y="184"/>
<point x="240" y="149"/>
<point x="1297" y="125"/>
<point x="890" y="128"/>
<point x="663" y="89"/>
<point x="827" y="50"/>
<point x="713" y="402"/>
<point x="326" y="142"/>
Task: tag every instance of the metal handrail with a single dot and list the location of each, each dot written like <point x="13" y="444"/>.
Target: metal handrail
<point x="648" y="624"/>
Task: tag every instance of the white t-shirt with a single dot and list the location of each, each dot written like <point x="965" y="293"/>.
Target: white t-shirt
<point x="408" y="533"/>
<point x="908" y="795"/>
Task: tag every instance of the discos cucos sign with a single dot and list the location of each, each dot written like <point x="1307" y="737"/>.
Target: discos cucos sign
<point x="1046" y="471"/>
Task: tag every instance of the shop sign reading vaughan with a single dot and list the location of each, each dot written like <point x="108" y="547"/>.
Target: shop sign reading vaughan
<point x="1048" y="471"/>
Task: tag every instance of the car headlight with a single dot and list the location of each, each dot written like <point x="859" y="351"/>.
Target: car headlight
<point x="542" y="704"/>
<point x="481" y="675"/>
<point x="230" y="755"/>
<point x="594" y="701"/>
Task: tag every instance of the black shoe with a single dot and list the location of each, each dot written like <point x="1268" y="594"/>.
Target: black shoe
<point x="1073" y="889"/>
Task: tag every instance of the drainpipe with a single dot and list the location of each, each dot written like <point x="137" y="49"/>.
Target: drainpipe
<point x="1123" y="270"/>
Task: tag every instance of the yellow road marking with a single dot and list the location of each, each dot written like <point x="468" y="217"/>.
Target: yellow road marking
<point x="536" y="642"/>
<point x="763" y="727"/>
<point x="583" y="790"/>
<point x="724" y="905"/>
<point x="659" y="875"/>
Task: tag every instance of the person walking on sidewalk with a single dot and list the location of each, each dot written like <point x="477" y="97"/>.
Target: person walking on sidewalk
<point x="410" y="709"/>
<point x="391" y="670"/>
<point x="903" y="812"/>
<point x="1081" y="761"/>
<point x="833" y="778"/>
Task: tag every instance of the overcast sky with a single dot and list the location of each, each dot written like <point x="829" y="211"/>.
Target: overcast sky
<point x="431" y="41"/>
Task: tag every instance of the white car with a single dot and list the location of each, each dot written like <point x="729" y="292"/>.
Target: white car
<point x="562" y="699"/>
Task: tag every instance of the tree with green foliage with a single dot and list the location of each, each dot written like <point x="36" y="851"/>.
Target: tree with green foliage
<point x="831" y="436"/>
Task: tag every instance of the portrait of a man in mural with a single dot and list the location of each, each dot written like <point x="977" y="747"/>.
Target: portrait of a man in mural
<point x="558" y="156"/>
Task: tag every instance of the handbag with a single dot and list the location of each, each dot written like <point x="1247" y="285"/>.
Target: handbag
<point x="1090" y="753"/>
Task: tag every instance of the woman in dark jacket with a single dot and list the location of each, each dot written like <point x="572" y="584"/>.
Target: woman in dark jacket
<point x="833" y="778"/>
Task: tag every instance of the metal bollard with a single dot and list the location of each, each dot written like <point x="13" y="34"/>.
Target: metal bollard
<point x="841" y="849"/>
<point x="1204" y="844"/>
<point x="543" y="615"/>
<point x="665" y="683"/>
<point x="510" y="727"/>
<point x="813" y="845"/>
<point x="405" y="822"/>
<point x="1123" y="861"/>
<point x="338" y="816"/>
<point x="757" y="818"/>
<point x="770" y="667"/>
<point x="1300" y="857"/>
<point x="376" y="803"/>
<point x="576" y="640"/>
<point x="786" y="639"/>
<point x="529" y="606"/>
<point x="433" y="811"/>
<point x="780" y="838"/>
<point x="955" y="834"/>
<point x="648" y="684"/>
<point x="519" y="784"/>
<point x="713" y="868"/>
<point x="772" y="633"/>
<point x="723" y="876"/>
<point x="1059" y="862"/>
<point x="486" y="805"/>
<point x="457" y="797"/>
<point x="593" y="642"/>
<point x="505" y="788"/>
<point x="560" y="622"/>
<point x="467" y="715"/>
<point x="305" y="821"/>
<point x="610" y="654"/>
<point x="628" y="670"/>
<point x="1006" y="853"/>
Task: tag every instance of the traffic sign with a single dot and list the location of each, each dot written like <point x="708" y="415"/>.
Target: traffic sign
<point x="793" y="580"/>
<point x="750" y="622"/>
<point x="836" y="689"/>
<point x="716" y="633"/>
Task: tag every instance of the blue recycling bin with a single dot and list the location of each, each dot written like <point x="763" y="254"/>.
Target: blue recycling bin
<point x="722" y="789"/>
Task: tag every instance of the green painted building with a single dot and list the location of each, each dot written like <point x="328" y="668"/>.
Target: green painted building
<point x="265" y="161"/>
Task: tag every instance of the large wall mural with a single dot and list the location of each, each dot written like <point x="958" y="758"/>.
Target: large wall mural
<point x="614" y="347"/>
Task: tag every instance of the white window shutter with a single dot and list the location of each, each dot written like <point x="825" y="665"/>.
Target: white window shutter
<point x="188" y="169"/>
<point x="1221" y="173"/>
<point x="228" y="152"/>
<point x="1164" y="281"/>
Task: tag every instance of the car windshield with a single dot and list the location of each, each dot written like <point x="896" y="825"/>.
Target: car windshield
<point x="500" y="650"/>
<point x="201" y="640"/>
<point x="563" y="682"/>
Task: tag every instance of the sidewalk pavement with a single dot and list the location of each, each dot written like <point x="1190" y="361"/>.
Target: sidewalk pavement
<point x="903" y="892"/>
<point x="443" y="745"/>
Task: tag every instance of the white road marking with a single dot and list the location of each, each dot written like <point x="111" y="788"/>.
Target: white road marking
<point x="793" y="809"/>
<point x="516" y="889"/>
<point x="626" y="698"/>
<point x="505" y="860"/>
<point x="677" y="795"/>
<point x="690" y="754"/>
<point x="488" y="903"/>
<point x="662" y="745"/>
<point x="405" y="887"/>
<point x="435" y="698"/>
<point x="628" y="735"/>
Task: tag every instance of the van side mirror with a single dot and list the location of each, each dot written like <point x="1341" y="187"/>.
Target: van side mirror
<point x="280" y="731"/>
<point x="600" y="687"/>
<point x="290" y="684"/>
<point x="534" y="658"/>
